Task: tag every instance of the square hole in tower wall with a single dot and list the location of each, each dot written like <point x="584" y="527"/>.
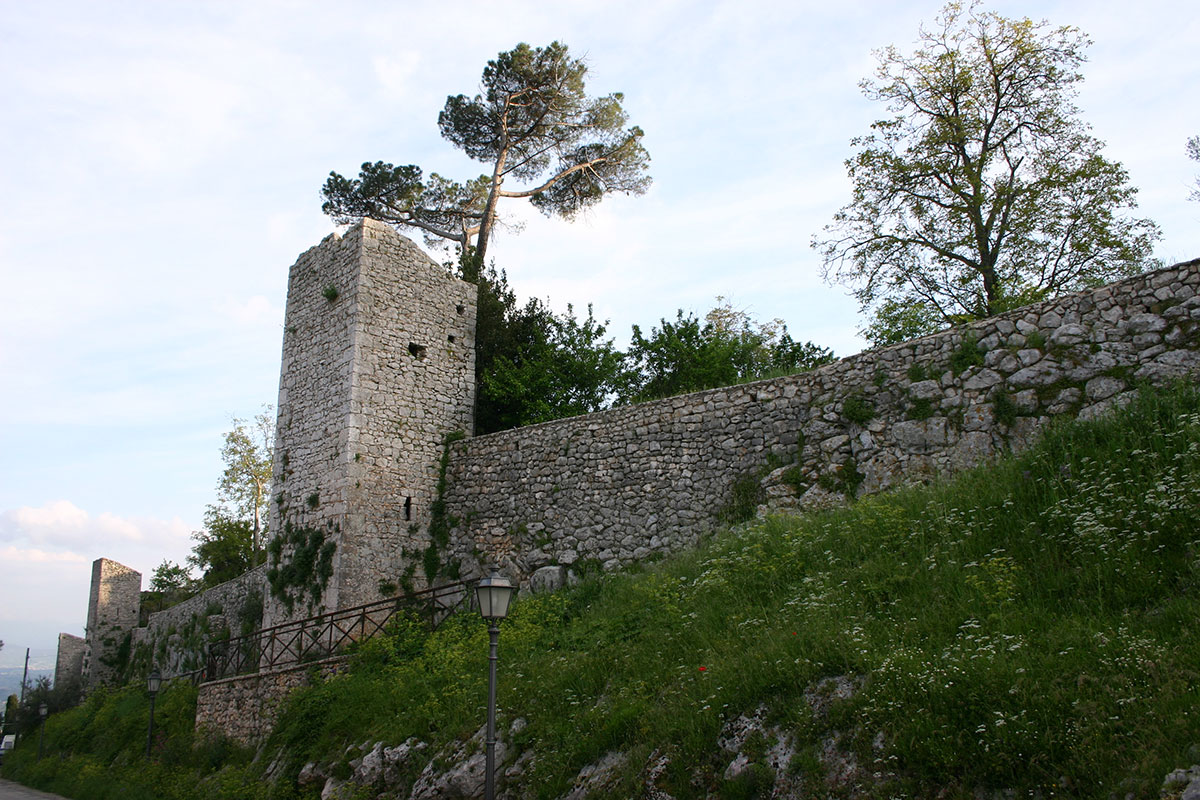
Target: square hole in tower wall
<point x="417" y="350"/>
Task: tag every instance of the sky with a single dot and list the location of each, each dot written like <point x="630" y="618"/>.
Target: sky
<point x="160" y="167"/>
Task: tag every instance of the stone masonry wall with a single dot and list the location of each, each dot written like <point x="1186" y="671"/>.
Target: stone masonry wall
<point x="175" y="640"/>
<point x="113" y="604"/>
<point x="612" y="488"/>
<point x="68" y="665"/>
<point x="245" y="707"/>
<point x="378" y="368"/>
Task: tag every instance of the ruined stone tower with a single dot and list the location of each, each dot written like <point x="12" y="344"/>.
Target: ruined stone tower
<point x="113" y="607"/>
<point x="378" y="369"/>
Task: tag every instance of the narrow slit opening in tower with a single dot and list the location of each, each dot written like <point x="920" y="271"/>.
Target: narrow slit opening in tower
<point x="408" y="509"/>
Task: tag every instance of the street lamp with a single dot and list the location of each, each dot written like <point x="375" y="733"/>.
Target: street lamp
<point x="493" y="594"/>
<point x="153" y="682"/>
<point x="43" y="710"/>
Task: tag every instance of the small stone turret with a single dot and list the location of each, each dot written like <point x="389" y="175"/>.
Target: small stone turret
<point x="113" y="607"/>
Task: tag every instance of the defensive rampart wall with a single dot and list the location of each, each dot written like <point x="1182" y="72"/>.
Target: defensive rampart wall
<point x="617" y="487"/>
<point x="175" y="639"/>
<point x="378" y="374"/>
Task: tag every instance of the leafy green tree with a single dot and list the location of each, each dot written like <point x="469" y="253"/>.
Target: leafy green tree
<point x="727" y="348"/>
<point x="232" y="539"/>
<point x="26" y="714"/>
<point x="224" y="549"/>
<point x="170" y="577"/>
<point x="1193" y="151"/>
<point x="534" y="125"/>
<point x="985" y="190"/>
<point x="532" y="365"/>
<point x="170" y="583"/>
<point x="245" y="484"/>
<point x="562" y="368"/>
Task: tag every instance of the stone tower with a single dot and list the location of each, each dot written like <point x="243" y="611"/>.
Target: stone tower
<point x="378" y="370"/>
<point x="113" y="607"/>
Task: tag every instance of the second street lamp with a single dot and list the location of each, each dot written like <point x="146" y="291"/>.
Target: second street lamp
<point x="493" y="594"/>
<point x="43" y="710"/>
<point x="153" y="682"/>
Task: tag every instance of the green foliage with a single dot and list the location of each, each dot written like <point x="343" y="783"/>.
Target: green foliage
<point x="533" y="365"/>
<point x="844" y="478"/>
<point x="170" y="584"/>
<point x="897" y="320"/>
<point x="1003" y="408"/>
<point x="966" y="355"/>
<point x="917" y="372"/>
<point x="330" y="293"/>
<point x="224" y="549"/>
<point x="232" y="541"/>
<point x="533" y="124"/>
<point x="919" y="408"/>
<point x="563" y="367"/>
<point x="97" y="751"/>
<point x="745" y="495"/>
<point x="858" y="409"/>
<point x="440" y="521"/>
<point x="250" y="614"/>
<point x="985" y="191"/>
<point x="300" y="565"/>
<point x="1193" y="152"/>
<point x="1035" y="340"/>
<point x="729" y="347"/>
<point x="1024" y="629"/>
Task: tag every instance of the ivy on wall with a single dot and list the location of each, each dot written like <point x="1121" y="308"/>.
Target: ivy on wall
<point x="303" y="574"/>
<point x="440" y="522"/>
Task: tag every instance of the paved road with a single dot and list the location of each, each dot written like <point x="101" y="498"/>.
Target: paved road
<point x="15" y="791"/>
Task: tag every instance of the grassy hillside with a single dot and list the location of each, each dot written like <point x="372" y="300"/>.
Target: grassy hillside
<point x="1027" y="627"/>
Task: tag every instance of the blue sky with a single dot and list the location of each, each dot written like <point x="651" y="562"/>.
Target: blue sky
<point x="161" y="166"/>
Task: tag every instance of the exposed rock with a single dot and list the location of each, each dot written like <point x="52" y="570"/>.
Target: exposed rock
<point x="920" y="436"/>
<point x="1068" y="335"/>
<point x="547" y="579"/>
<point x="1103" y="387"/>
<point x="595" y="777"/>
<point x="465" y="774"/>
<point x="1183" y="784"/>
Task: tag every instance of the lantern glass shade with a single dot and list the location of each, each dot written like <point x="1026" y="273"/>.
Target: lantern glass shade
<point x="153" y="682"/>
<point x="43" y="710"/>
<point x="493" y="593"/>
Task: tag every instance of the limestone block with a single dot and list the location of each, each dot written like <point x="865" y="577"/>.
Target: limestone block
<point x="925" y="390"/>
<point x="1145" y="322"/>
<point x="1043" y="373"/>
<point x="984" y="379"/>
<point x="1103" y="387"/>
<point x="972" y="449"/>
<point x="1029" y="356"/>
<point x="1067" y="335"/>
<point x="920" y="436"/>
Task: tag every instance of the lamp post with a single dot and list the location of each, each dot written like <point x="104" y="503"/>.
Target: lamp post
<point x="493" y="594"/>
<point x="153" y="682"/>
<point x="43" y="711"/>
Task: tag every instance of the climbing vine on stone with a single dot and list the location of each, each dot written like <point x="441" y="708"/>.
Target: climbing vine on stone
<point x="440" y="522"/>
<point x="306" y="571"/>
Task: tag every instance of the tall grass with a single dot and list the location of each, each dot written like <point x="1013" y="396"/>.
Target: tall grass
<point x="97" y="751"/>
<point x="1027" y="627"/>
